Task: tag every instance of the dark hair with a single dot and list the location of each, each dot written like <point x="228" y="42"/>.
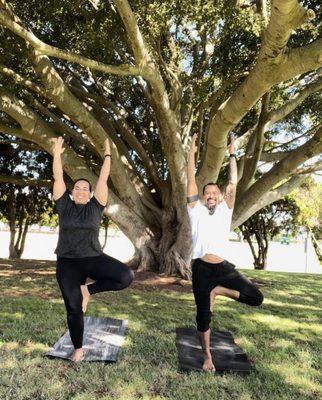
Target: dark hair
<point x="211" y="183"/>
<point x="83" y="179"/>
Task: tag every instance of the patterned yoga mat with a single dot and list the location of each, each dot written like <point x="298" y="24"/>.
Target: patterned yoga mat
<point x="227" y="356"/>
<point x="103" y="339"/>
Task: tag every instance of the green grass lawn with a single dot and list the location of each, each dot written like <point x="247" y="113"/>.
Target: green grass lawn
<point x="282" y="338"/>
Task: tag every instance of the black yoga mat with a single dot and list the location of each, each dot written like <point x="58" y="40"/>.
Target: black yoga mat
<point x="227" y="356"/>
<point x="103" y="338"/>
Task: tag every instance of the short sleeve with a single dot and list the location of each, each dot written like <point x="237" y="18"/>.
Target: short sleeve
<point x="192" y="211"/>
<point x="62" y="201"/>
<point x="97" y="204"/>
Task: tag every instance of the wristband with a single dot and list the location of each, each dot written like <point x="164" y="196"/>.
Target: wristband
<point x="232" y="155"/>
<point x="191" y="199"/>
<point x="107" y="155"/>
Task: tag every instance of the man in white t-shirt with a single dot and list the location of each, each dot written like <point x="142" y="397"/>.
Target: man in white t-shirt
<point x="212" y="274"/>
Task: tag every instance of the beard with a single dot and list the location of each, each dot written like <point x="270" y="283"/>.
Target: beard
<point x="211" y="208"/>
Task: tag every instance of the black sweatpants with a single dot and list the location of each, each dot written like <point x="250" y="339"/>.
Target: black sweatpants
<point x="206" y="276"/>
<point x="108" y="274"/>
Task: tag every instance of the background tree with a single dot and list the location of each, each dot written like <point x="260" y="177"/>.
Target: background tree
<point x="147" y="75"/>
<point x="22" y="207"/>
<point x="24" y="199"/>
<point x="308" y="198"/>
<point x="266" y="224"/>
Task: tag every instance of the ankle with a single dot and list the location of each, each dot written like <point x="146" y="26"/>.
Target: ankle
<point x="207" y="354"/>
<point x="85" y="289"/>
<point x="78" y="355"/>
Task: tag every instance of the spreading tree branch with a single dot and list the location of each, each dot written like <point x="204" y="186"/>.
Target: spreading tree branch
<point x="273" y="157"/>
<point x="294" y="101"/>
<point x="58" y="91"/>
<point x="255" y="147"/>
<point x="273" y="66"/>
<point x="268" y="198"/>
<point x="106" y="119"/>
<point x="166" y="118"/>
<point x="52" y="51"/>
<point x="280" y="171"/>
<point x="36" y="130"/>
<point x="20" y="80"/>
<point x="21" y="181"/>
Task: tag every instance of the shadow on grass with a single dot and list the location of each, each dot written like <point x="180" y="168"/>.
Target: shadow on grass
<point x="278" y="336"/>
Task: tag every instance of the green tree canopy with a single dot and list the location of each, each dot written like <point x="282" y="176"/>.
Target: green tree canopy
<point x="147" y="74"/>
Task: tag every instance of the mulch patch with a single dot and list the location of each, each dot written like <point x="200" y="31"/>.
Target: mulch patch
<point x="148" y="280"/>
<point x="144" y="280"/>
<point x="25" y="264"/>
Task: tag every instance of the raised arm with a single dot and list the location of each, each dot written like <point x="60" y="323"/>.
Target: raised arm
<point x="101" y="190"/>
<point x="230" y="193"/>
<point x="59" y="184"/>
<point x="192" y="189"/>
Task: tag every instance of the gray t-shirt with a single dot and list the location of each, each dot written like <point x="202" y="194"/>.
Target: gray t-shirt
<point x="78" y="227"/>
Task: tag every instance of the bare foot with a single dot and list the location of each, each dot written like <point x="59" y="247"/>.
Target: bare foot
<point x="86" y="296"/>
<point x="208" y="365"/>
<point x="78" y="355"/>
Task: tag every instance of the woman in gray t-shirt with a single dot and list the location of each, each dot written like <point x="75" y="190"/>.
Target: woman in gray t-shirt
<point x="79" y="253"/>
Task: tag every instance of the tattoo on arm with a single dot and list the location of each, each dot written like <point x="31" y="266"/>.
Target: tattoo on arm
<point x="233" y="174"/>
<point x="230" y="192"/>
<point x="191" y="199"/>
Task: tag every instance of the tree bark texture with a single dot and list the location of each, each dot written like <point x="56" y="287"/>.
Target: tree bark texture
<point x="147" y="200"/>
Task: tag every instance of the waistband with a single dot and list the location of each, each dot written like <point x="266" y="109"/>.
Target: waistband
<point x="222" y="267"/>
<point x="78" y="259"/>
<point x="209" y="264"/>
<point x="218" y="273"/>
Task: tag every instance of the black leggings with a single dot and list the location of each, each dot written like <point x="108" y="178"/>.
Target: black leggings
<point x="206" y="276"/>
<point x="109" y="274"/>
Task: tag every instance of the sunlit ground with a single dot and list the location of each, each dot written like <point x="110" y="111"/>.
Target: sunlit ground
<point x="282" y="338"/>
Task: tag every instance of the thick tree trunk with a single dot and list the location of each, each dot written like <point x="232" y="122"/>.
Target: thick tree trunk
<point x="145" y="257"/>
<point x="162" y="236"/>
<point x="169" y="253"/>
<point x="174" y="247"/>
<point x="164" y="258"/>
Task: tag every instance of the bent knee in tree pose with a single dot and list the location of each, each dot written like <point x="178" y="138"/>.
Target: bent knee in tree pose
<point x="79" y="253"/>
<point x="212" y="274"/>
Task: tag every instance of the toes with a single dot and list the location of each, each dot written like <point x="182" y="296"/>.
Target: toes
<point x="209" y="368"/>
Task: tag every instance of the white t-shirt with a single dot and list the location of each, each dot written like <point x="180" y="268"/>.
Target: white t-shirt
<point x="210" y="233"/>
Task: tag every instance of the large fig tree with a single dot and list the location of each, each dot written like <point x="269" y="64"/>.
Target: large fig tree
<point x="148" y="73"/>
